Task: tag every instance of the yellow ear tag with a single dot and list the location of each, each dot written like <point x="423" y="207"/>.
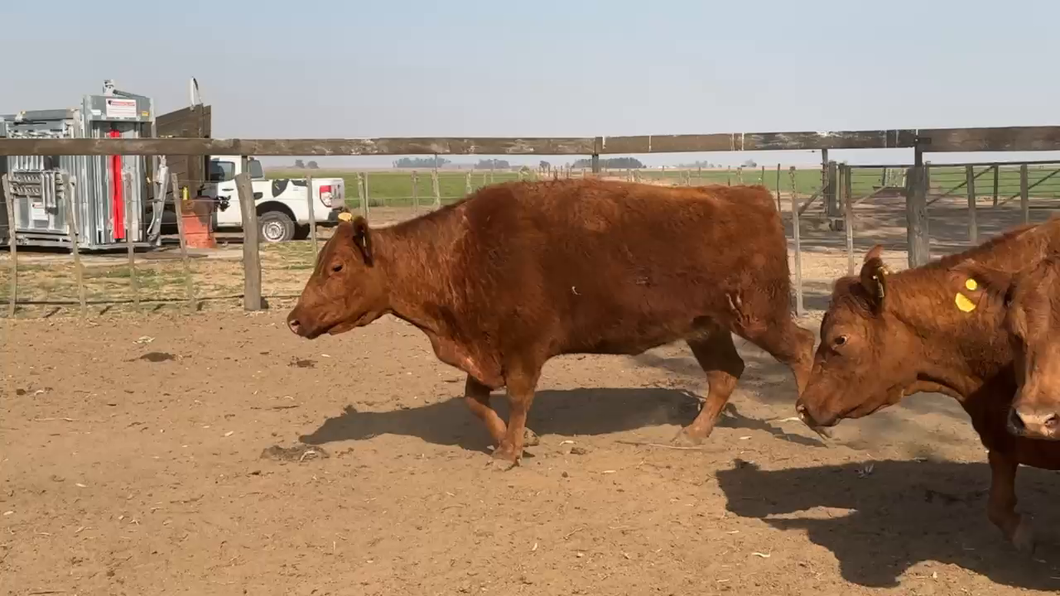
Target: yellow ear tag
<point x="971" y="284"/>
<point x="963" y="303"/>
<point x="345" y="216"/>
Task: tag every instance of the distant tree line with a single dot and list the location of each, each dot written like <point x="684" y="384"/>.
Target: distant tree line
<point x="301" y="165"/>
<point x="611" y="163"/>
<point x="421" y="162"/>
<point x="496" y="164"/>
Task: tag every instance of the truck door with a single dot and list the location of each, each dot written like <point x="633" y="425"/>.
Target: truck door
<point x="223" y="175"/>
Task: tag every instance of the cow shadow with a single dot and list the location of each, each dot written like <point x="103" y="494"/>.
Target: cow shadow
<point x="586" y="411"/>
<point x="902" y="513"/>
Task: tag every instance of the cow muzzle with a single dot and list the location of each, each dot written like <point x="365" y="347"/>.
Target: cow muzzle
<point x="295" y="324"/>
<point x="1035" y="423"/>
<point x="814" y="422"/>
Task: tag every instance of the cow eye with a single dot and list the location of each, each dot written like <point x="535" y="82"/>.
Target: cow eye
<point x="841" y="340"/>
<point x="336" y="267"/>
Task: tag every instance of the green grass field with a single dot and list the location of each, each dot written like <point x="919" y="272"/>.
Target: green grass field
<point x="406" y="188"/>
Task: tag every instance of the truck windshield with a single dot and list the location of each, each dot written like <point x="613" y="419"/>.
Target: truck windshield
<point x="256" y="172"/>
<point x="222" y="171"/>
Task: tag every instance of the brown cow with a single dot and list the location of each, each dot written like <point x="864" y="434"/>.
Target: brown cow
<point x="1030" y="299"/>
<point x="885" y="336"/>
<point x="519" y="272"/>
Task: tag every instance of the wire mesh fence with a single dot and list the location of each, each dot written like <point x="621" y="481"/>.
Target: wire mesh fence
<point x="162" y="279"/>
<point x="965" y="204"/>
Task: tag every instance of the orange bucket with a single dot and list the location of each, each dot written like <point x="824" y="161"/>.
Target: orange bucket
<point x="196" y="214"/>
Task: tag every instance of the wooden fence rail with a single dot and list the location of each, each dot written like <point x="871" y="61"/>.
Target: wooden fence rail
<point x="1026" y="138"/>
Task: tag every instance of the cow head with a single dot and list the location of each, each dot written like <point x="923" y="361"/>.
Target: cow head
<point x="1030" y="300"/>
<point x="347" y="289"/>
<point x="861" y="364"/>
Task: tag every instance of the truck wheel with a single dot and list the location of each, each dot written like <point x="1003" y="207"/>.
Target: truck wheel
<point x="275" y="226"/>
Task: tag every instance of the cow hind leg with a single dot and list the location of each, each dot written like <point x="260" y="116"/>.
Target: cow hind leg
<point x="717" y="356"/>
<point x="1001" y="505"/>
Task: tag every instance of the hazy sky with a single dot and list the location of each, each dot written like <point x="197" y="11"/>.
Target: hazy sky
<point x="543" y="68"/>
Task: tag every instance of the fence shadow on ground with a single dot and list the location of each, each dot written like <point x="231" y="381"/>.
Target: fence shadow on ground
<point x="900" y="514"/>
<point x="586" y="412"/>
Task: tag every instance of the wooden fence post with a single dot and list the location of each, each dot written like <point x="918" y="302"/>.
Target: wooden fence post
<point x="74" y="235"/>
<point x="846" y="174"/>
<point x="779" y="208"/>
<point x="830" y="189"/>
<point x="312" y="215"/>
<point x="997" y="176"/>
<point x="189" y="288"/>
<point x="365" y="204"/>
<point x="467" y="183"/>
<point x="251" y="256"/>
<point x="437" y="188"/>
<point x="12" y="245"/>
<point x="973" y="225"/>
<point x="799" y="310"/>
<point x="133" y="282"/>
<point x="917" y="234"/>
<point x="415" y="193"/>
<point x="1025" y="199"/>
<point x="360" y="192"/>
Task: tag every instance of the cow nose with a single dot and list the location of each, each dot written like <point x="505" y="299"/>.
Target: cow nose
<point x="804" y="413"/>
<point x="294" y="325"/>
<point x="1027" y="421"/>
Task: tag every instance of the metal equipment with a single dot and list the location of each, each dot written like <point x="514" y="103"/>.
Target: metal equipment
<point x="111" y="195"/>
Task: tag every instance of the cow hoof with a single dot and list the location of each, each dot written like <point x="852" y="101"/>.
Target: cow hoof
<point x="686" y="439"/>
<point x="1023" y="538"/>
<point x="530" y="438"/>
<point x="502" y="464"/>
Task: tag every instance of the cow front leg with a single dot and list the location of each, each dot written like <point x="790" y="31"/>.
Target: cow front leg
<point x="521" y="388"/>
<point x="477" y="398"/>
<point x="1001" y="506"/>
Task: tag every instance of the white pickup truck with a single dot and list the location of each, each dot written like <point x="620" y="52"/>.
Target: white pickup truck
<point x="283" y="211"/>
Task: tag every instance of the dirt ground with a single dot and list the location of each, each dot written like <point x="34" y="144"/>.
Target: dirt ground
<point x="218" y="453"/>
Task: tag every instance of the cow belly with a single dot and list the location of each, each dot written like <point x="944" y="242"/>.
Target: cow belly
<point x="622" y="336"/>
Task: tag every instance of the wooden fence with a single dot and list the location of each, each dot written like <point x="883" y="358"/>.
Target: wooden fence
<point x="920" y="140"/>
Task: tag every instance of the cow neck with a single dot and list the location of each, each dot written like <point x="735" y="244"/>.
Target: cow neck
<point x="415" y="265"/>
<point x="957" y="348"/>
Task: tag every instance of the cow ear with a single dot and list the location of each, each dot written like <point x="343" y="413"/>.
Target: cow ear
<point x="974" y="282"/>
<point x="362" y="238"/>
<point x="873" y="276"/>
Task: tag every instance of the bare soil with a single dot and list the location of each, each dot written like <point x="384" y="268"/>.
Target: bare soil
<point x="217" y="453"/>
